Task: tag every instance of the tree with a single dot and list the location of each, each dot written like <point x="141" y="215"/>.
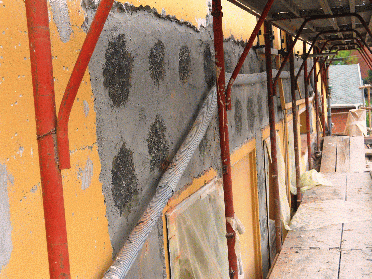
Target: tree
<point x="368" y="79"/>
<point x="344" y="57"/>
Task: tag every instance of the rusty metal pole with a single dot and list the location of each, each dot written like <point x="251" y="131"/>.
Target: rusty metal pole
<point x="246" y="50"/>
<point x="274" y="161"/>
<point x="295" y="120"/>
<point x="329" y="111"/>
<point x="308" y="128"/>
<point x="74" y="82"/>
<point x="46" y="119"/>
<point x="224" y="135"/>
<point x="316" y="96"/>
<point x="369" y="105"/>
<point x="323" y="105"/>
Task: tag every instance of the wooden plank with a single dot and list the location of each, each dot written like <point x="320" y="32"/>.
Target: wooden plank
<point x="356" y="253"/>
<point x="357" y="235"/>
<point x="359" y="187"/>
<point x="343" y="154"/>
<point x="357" y="154"/>
<point x="321" y="193"/>
<point x="356" y="264"/>
<point x="309" y="264"/>
<point x="327" y="237"/>
<point x="329" y="155"/>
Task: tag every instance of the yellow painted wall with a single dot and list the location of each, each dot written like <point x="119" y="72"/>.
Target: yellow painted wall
<point x="244" y="180"/>
<point x="236" y="22"/>
<point x="89" y="244"/>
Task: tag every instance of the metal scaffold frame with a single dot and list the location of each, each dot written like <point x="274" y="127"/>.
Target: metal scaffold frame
<point x="52" y="132"/>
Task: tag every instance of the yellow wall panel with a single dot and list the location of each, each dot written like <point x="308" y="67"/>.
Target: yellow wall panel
<point x="89" y="243"/>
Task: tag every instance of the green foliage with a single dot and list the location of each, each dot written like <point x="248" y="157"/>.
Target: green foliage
<point x="368" y="79"/>
<point x="347" y="58"/>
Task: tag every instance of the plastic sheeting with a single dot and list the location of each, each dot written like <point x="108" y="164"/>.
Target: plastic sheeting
<point x="291" y="154"/>
<point x="284" y="204"/>
<point x="196" y="235"/>
<point x="356" y="123"/>
<point x="312" y="178"/>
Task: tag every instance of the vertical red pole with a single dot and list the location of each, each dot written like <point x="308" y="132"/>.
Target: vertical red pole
<point x="329" y="111"/>
<point x="274" y="160"/>
<point x="224" y="135"/>
<point x="295" y="120"/>
<point x="45" y="113"/>
<point x="316" y="96"/>
<point x="308" y="128"/>
<point x="323" y="106"/>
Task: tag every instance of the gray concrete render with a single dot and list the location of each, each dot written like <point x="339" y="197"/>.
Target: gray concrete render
<point x="149" y="76"/>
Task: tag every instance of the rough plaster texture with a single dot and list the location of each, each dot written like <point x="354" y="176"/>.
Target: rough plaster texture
<point x="61" y="19"/>
<point x="5" y="225"/>
<point x="165" y="69"/>
<point x="86" y="175"/>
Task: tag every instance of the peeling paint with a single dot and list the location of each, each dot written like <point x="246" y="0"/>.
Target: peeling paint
<point x="6" y="246"/>
<point x="34" y="188"/>
<point x="86" y="178"/>
<point x="20" y="151"/>
<point x="61" y="19"/>
<point x="86" y="108"/>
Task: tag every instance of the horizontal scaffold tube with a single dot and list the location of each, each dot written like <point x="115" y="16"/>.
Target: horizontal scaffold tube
<point x="164" y="190"/>
<point x="247" y="79"/>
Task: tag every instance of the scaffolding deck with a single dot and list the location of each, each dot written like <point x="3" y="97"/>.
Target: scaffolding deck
<point x="331" y="236"/>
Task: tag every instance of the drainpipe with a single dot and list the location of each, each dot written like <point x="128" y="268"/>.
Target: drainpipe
<point x="308" y="128"/>
<point x="45" y="114"/>
<point x="295" y="120"/>
<point x="224" y="135"/>
<point x="274" y="160"/>
<point x="75" y="80"/>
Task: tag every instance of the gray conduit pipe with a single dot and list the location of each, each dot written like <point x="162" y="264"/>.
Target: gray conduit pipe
<point x="170" y="179"/>
<point x="164" y="190"/>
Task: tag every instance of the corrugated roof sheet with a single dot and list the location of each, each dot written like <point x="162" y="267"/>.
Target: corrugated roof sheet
<point x="345" y="81"/>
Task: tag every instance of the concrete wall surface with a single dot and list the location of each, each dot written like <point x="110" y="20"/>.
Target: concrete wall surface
<point x="149" y="74"/>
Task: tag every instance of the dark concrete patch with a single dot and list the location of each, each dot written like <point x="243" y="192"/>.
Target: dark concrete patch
<point x="209" y="67"/>
<point x="204" y="145"/>
<point x="184" y="64"/>
<point x="117" y="71"/>
<point x="238" y="117"/>
<point x="228" y="62"/>
<point x="157" y="143"/>
<point x="124" y="180"/>
<point x="260" y="107"/>
<point x="156" y="61"/>
<point x="250" y="112"/>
